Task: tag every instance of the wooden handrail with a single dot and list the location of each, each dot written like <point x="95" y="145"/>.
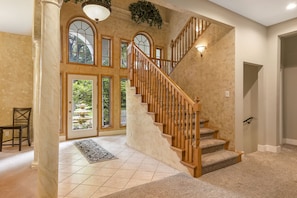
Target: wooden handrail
<point x="178" y="113"/>
<point x="165" y="65"/>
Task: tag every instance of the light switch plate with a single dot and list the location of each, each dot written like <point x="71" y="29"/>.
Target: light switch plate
<point x="227" y="94"/>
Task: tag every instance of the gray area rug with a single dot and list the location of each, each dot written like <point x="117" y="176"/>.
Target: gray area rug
<point x="93" y="152"/>
<point x="177" y="186"/>
<point x="259" y="175"/>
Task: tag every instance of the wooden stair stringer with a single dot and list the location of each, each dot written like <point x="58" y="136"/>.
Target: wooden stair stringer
<point x="191" y="167"/>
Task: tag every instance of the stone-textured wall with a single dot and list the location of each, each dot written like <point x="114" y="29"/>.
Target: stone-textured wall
<point x="148" y="139"/>
<point x="208" y="77"/>
<point x="16" y="74"/>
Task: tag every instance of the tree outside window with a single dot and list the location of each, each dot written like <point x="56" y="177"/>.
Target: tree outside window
<point x="106" y="101"/>
<point x="123" y="101"/>
<point x="124" y="54"/>
<point x="80" y="43"/>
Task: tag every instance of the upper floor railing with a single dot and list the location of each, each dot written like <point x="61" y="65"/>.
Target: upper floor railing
<point x="187" y="37"/>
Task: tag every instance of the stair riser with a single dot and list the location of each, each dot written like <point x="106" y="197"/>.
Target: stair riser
<point x="212" y="149"/>
<point x="208" y="135"/>
<point x="219" y="165"/>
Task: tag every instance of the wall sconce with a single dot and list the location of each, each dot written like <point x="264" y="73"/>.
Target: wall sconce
<point x="201" y="49"/>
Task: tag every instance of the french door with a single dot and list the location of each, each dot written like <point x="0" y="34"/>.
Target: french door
<point x="82" y="106"/>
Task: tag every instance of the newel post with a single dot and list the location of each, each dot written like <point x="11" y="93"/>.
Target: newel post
<point x="131" y="62"/>
<point x="196" y="109"/>
<point x="197" y="149"/>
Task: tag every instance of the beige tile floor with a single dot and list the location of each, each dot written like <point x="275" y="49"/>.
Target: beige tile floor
<point x="78" y="178"/>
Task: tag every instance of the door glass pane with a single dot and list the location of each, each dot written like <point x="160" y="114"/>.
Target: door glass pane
<point x="82" y="104"/>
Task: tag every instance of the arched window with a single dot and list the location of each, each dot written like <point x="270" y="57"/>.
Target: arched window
<point x="81" y="43"/>
<point x="143" y="42"/>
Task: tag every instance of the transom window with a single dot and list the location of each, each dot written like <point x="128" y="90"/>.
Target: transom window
<point x="143" y="43"/>
<point x="80" y="43"/>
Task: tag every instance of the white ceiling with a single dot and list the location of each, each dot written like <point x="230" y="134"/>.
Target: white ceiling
<point x="16" y="16"/>
<point x="265" y="12"/>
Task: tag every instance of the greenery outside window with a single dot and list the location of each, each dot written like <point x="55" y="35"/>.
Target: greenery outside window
<point x="124" y="54"/>
<point x="80" y="43"/>
<point x="106" y="102"/>
<point x="123" y="101"/>
<point x="106" y="52"/>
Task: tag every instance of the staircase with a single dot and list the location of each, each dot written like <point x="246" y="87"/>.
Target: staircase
<point x="177" y="115"/>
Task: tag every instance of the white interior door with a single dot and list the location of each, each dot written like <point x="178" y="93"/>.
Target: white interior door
<point x="82" y="106"/>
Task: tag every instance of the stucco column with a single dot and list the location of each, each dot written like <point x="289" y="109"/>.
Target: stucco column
<point x="36" y="97"/>
<point x="49" y="99"/>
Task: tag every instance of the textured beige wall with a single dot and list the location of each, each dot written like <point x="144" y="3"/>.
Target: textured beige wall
<point x="148" y="139"/>
<point x="208" y="77"/>
<point x="16" y="74"/>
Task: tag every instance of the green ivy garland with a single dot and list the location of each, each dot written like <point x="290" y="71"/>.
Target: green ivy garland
<point x="144" y="11"/>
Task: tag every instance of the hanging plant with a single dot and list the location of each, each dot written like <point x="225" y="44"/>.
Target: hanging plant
<point x="144" y="11"/>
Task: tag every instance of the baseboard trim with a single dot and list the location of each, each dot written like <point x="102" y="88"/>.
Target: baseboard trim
<point x="34" y="165"/>
<point x="117" y="132"/>
<point x="290" y="141"/>
<point x="269" y="148"/>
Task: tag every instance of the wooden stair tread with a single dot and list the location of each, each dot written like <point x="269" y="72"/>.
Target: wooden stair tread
<point x="210" y="142"/>
<point x="202" y="121"/>
<point x="217" y="157"/>
<point x="205" y="130"/>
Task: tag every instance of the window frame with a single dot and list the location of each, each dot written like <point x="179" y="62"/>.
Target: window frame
<point x="104" y="37"/>
<point x="120" y="54"/>
<point x="111" y="103"/>
<point x="159" y="60"/>
<point x="150" y="40"/>
<point x="121" y="78"/>
<point x="95" y="38"/>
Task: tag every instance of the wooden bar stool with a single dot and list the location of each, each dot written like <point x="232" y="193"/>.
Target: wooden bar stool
<point x="21" y="120"/>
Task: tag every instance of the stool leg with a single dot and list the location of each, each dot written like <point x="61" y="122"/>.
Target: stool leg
<point x="20" y="139"/>
<point x="13" y="137"/>
<point x="28" y="136"/>
<point x="1" y="139"/>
